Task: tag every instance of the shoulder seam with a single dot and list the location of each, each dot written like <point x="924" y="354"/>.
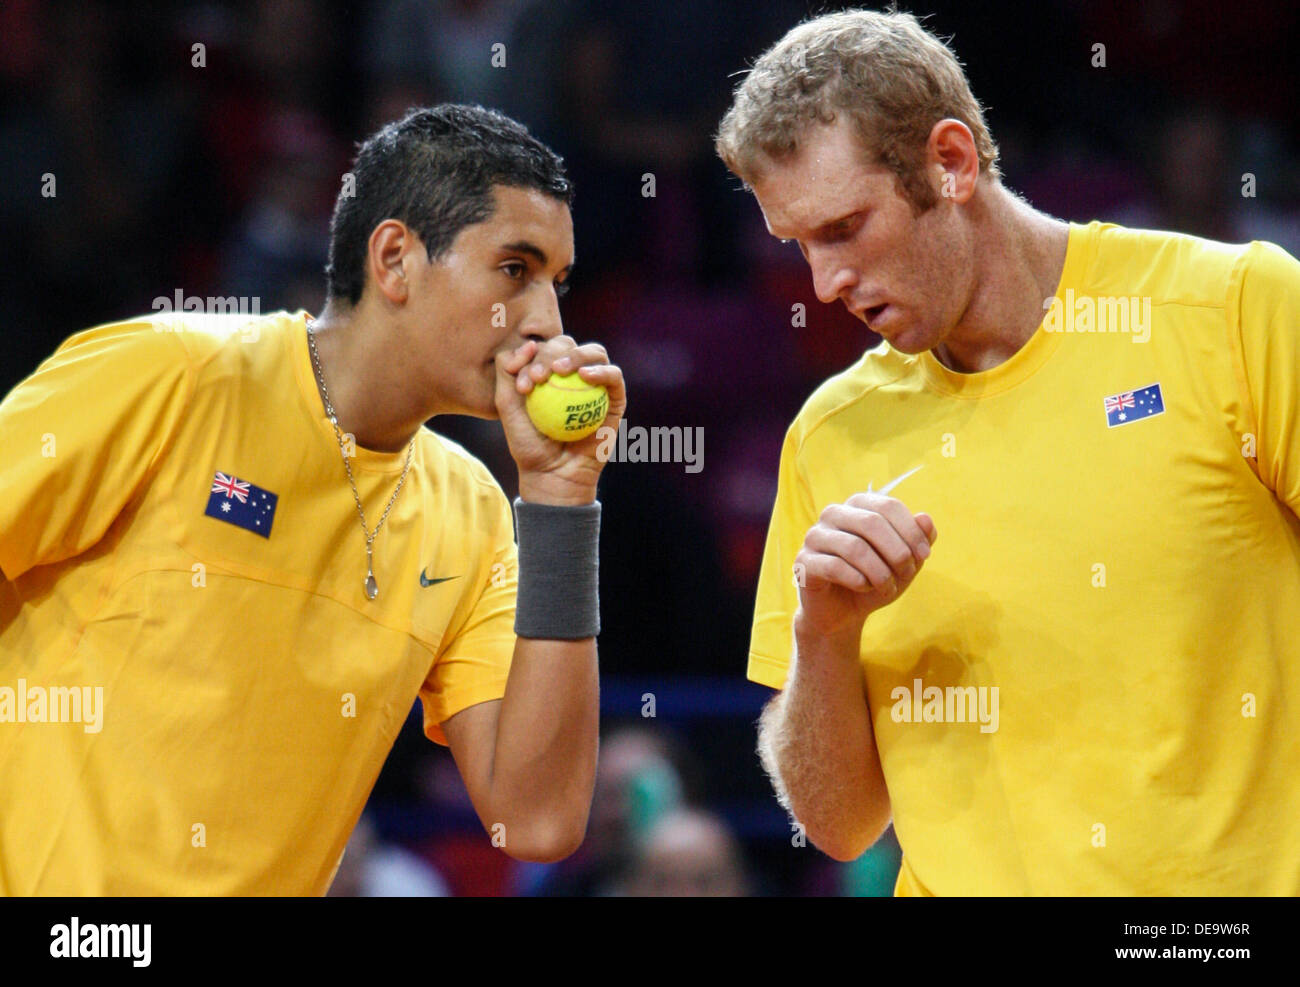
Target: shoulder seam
<point x="474" y="467"/>
<point x="825" y="416"/>
<point x="191" y="379"/>
<point x="1232" y="322"/>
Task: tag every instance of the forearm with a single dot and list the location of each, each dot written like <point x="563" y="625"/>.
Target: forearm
<point x="544" y="763"/>
<point x="529" y="761"/>
<point x="817" y="742"/>
<point x="543" y="767"/>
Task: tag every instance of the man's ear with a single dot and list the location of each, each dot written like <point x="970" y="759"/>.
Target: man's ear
<point x="388" y="256"/>
<point x="952" y="161"/>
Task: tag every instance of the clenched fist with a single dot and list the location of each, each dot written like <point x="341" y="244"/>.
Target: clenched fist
<point x="859" y="556"/>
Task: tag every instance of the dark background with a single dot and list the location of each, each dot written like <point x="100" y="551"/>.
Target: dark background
<point x="219" y="180"/>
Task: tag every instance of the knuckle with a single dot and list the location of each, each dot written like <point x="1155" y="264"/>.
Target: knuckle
<point x="874" y="523"/>
<point x="862" y="554"/>
<point x="845" y="573"/>
<point x="870" y="565"/>
<point x="899" y="558"/>
<point x="555" y="348"/>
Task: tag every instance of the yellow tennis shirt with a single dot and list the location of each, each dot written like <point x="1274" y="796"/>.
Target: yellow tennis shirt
<point x="1093" y="685"/>
<point x="196" y="696"/>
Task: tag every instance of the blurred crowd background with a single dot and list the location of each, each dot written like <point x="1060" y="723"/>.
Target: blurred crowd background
<point x="219" y="180"/>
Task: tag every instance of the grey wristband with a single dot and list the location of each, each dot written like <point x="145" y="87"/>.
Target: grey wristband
<point x="558" y="596"/>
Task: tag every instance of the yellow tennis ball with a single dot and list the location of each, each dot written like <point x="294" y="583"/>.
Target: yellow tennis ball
<point x="566" y="408"/>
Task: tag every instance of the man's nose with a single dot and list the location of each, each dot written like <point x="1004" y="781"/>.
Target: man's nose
<point x="831" y="274"/>
<point x="543" y="322"/>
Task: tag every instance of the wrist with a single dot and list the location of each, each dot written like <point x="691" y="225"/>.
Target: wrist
<point x="547" y="488"/>
<point x="558" y="592"/>
<point x="844" y="638"/>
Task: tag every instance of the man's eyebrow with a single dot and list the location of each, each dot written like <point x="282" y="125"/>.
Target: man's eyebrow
<point x="823" y="226"/>
<point x="526" y="247"/>
<point x="533" y="251"/>
<point x="837" y="220"/>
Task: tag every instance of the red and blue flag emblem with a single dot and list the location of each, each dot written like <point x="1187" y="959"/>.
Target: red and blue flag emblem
<point x="243" y="504"/>
<point x="1131" y="406"/>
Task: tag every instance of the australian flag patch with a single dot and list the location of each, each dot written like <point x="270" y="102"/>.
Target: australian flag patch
<point x="1133" y="406"/>
<point x="242" y="504"/>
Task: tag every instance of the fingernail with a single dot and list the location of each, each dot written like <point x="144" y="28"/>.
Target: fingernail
<point x="924" y="550"/>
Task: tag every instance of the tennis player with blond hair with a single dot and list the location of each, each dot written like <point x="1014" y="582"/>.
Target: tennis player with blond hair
<point x="1090" y="684"/>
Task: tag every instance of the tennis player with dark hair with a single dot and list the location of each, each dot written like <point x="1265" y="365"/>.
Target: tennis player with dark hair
<point x="234" y="555"/>
<point x="1091" y="683"/>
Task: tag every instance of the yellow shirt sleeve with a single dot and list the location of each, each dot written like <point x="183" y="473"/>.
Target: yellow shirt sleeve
<point x="1268" y="327"/>
<point x="82" y="436"/>
<point x="474" y="667"/>
<point x="772" y="640"/>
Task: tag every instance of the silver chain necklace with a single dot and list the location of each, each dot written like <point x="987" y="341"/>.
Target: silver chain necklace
<point x="372" y="587"/>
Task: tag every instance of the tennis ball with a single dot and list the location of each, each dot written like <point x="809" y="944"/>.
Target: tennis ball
<point x="566" y="408"/>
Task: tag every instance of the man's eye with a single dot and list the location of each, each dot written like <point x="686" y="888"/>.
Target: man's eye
<point x="514" y="270"/>
<point x="845" y="228"/>
<point x="561" y="289"/>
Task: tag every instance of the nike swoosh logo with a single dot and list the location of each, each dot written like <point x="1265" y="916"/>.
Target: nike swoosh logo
<point x="894" y="482"/>
<point x="426" y="581"/>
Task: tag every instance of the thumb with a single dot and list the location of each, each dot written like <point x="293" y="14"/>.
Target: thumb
<point x="926" y="524"/>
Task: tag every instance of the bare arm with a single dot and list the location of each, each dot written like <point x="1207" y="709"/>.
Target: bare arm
<point x="815" y="737"/>
<point x="816" y="743"/>
<point x="529" y="760"/>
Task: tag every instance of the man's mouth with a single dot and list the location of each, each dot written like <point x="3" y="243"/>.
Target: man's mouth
<point x="874" y="313"/>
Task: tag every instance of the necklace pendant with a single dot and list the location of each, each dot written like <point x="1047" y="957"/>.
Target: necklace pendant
<point x="372" y="587"/>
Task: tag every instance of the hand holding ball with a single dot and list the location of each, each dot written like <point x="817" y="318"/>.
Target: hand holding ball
<point x="566" y="408"/>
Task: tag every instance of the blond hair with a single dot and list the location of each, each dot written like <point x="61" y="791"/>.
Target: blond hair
<point x="890" y="76"/>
